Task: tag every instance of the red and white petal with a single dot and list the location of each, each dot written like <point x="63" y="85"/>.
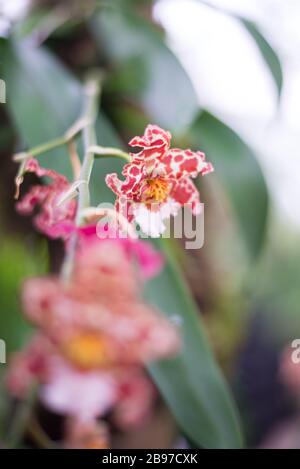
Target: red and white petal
<point x="136" y="397"/>
<point x="53" y="217"/>
<point x="32" y="166"/>
<point x="186" y="193"/>
<point x="181" y="163"/>
<point x="123" y="206"/>
<point x="130" y="186"/>
<point x="149" y="260"/>
<point x="154" y="137"/>
<point x="61" y="229"/>
<point x="83" y="395"/>
<point x="29" y="365"/>
<point x="113" y="182"/>
<point x="134" y="174"/>
<point x="36" y="196"/>
<point x="154" y="143"/>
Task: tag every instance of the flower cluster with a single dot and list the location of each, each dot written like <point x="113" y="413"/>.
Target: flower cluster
<point x="158" y="181"/>
<point x="95" y="332"/>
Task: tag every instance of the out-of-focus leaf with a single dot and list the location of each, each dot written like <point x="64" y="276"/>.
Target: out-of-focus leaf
<point x="44" y="100"/>
<point x="4" y="403"/>
<point x="268" y="53"/>
<point x="129" y="78"/>
<point x="237" y="168"/>
<point x="128" y="118"/>
<point x="30" y="22"/>
<point x="275" y="286"/>
<point x="191" y="383"/>
<point x="168" y="96"/>
<point x="106" y="136"/>
<point x="17" y="263"/>
<point x="38" y="86"/>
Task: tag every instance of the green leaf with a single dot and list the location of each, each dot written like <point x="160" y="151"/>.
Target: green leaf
<point x="191" y="383"/>
<point x="42" y="98"/>
<point x="269" y="55"/>
<point x="237" y="168"/>
<point x="168" y="96"/>
<point x="17" y="263"/>
<point x="106" y="136"/>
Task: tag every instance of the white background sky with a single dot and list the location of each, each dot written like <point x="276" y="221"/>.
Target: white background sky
<point x="232" y="80"/>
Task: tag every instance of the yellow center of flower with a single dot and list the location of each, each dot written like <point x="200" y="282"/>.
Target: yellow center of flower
<point x="87" y="350"/>
<point x="156" y="190"/>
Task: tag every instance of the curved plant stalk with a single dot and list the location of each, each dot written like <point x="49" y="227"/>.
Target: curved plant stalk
<point x="57" y="142"/>
<point x="92" y="94"/>
<point x="66" y="139"/>
<point x="109" y="151"/>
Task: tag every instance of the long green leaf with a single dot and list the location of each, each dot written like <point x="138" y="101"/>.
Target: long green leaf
<point x="237" y="168"/>
<point x="17" y="263"/>
<point x="191" y="383"/>
<point x="44" y="100"/>
<point x="37" y="89"/>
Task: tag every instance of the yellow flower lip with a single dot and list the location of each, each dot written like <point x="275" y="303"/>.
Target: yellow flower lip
<point x="87" y="350"/>
<point x="156" y="190"/>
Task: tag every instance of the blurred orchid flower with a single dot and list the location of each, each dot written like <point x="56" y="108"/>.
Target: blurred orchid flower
<point x="96" y="335"/>
<point x="55" y="219"/>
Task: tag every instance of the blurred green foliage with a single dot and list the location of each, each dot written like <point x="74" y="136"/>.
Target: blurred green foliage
<point x="240" y="173"/>
<point x="144" y="81"/>
<point x="18" y="262"/>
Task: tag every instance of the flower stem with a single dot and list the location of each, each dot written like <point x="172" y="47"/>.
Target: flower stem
<point x="57" y="142"/>
<point x="92" y="94"/>
<point x="109" y="151"/>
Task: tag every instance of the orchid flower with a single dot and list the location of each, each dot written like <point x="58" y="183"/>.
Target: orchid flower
<point x="158" y="181"/>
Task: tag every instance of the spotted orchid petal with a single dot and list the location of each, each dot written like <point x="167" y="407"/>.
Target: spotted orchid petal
<point x="154" y="139"/>
<point x="158" y="181"/>
<point x="186" y="194"/>
<point x="179" y="164"/>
